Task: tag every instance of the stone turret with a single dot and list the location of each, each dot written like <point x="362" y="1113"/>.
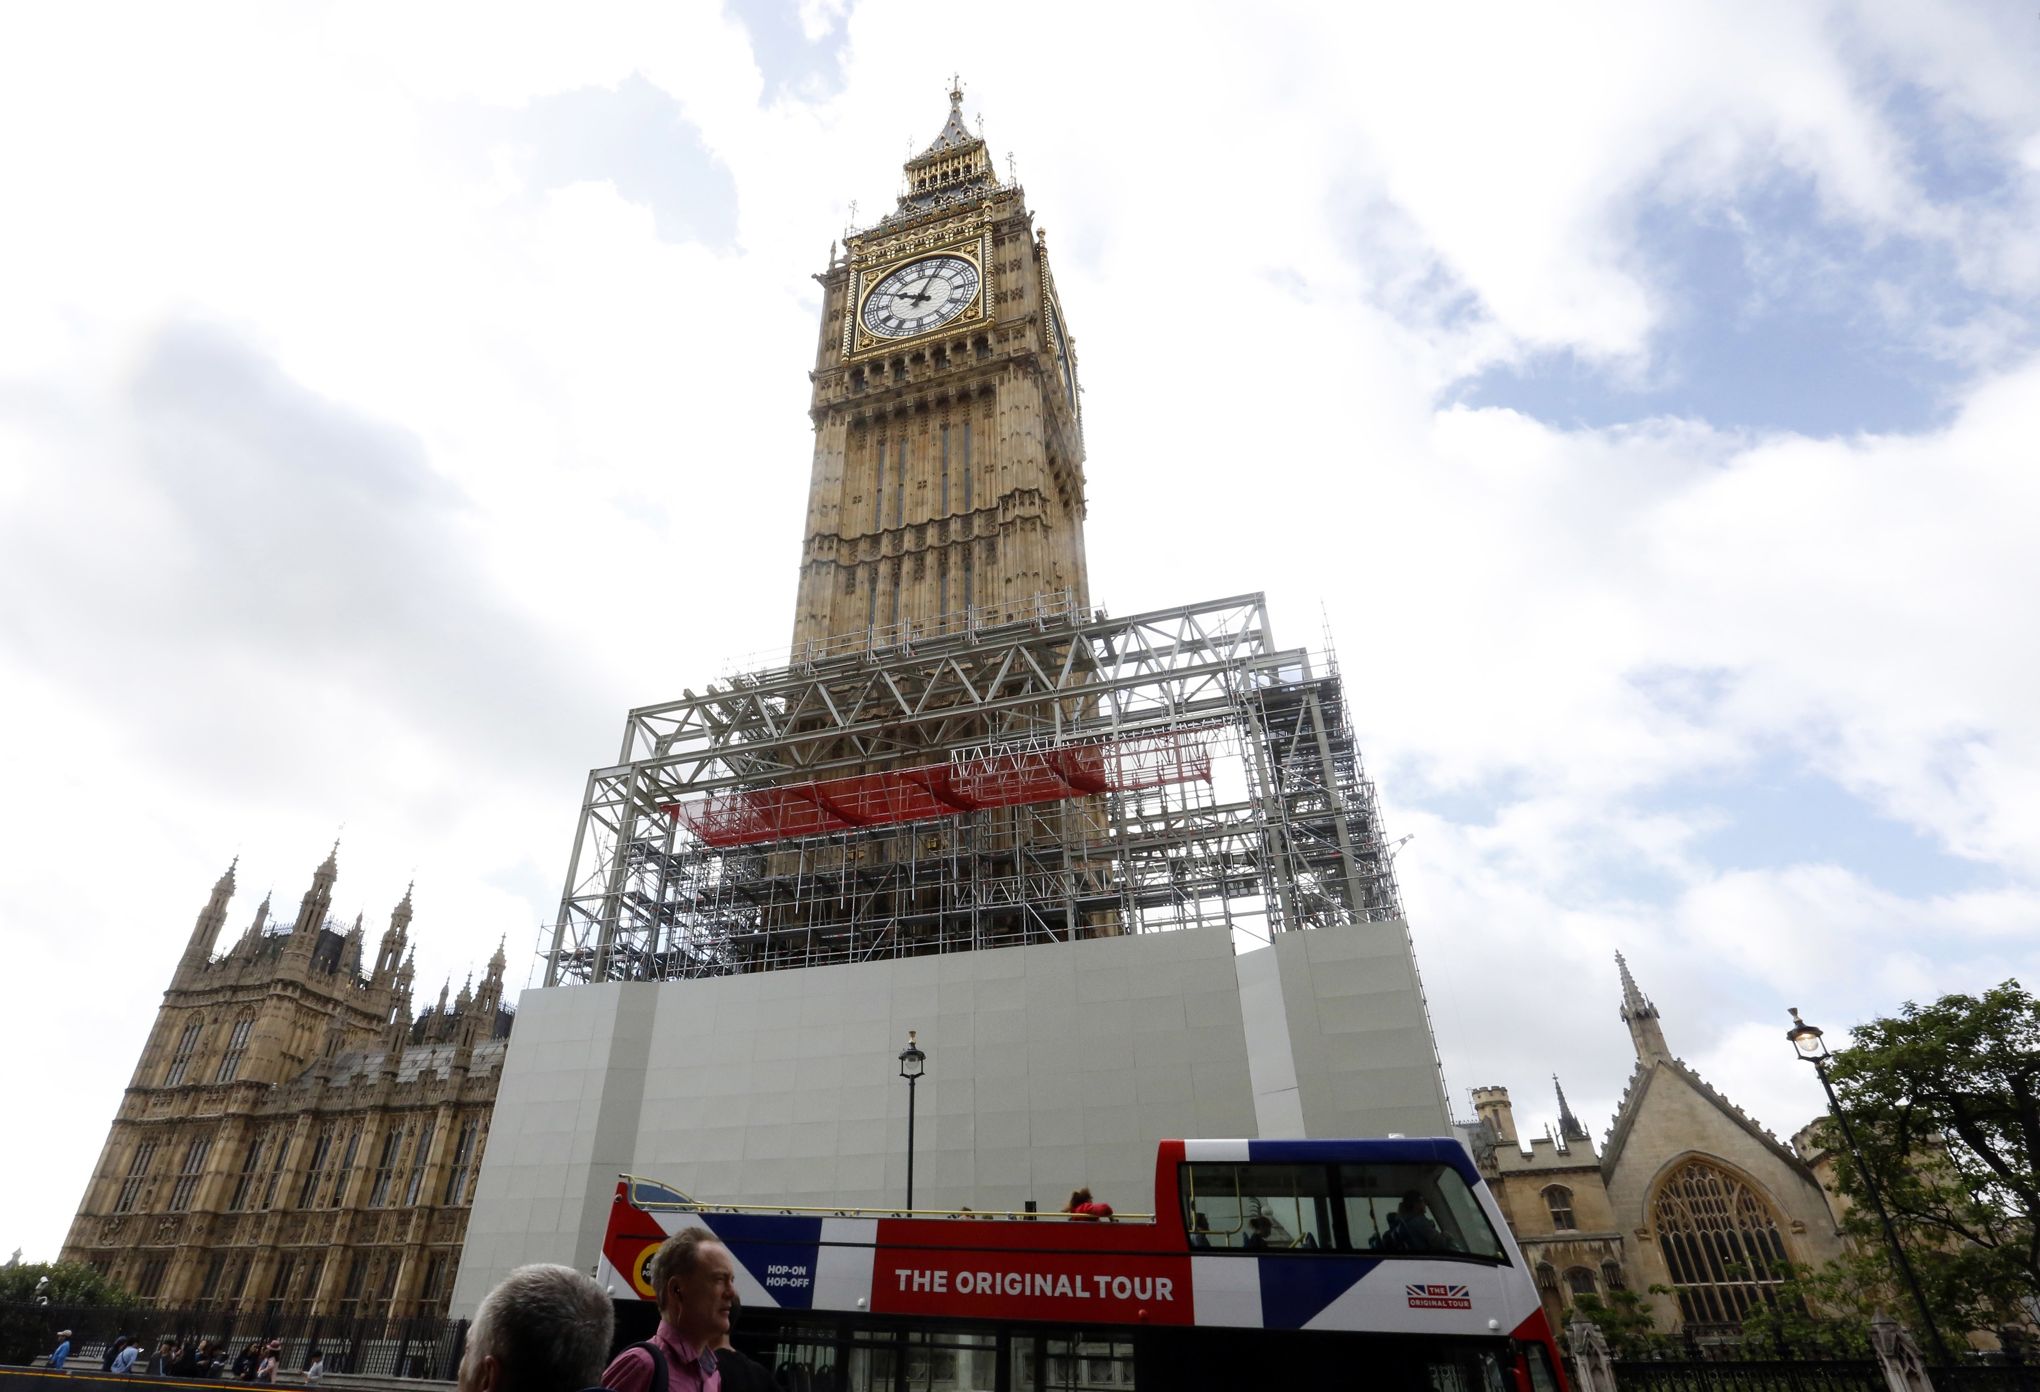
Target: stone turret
<point x="212" y="918"/>
<point x="316" y="905"/>
<point x="252" y="939"/>
<point x="1642" y="1018"/>
<point x="1491" y="1105"/>
<point x="350" y="952"/>
<point x="395" y="938"/>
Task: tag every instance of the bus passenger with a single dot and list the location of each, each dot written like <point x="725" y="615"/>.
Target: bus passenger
<point x="1258" y="1229"/>
<point x="1200" y="1231"/>
<point x="1410" y="1229"/>
<point x="1083" y="1207"/>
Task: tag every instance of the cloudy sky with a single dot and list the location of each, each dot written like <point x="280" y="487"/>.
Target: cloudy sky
<point x="1647" y="396"/>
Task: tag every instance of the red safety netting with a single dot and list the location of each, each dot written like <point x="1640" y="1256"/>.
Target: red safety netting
<point x="746" y="816"/>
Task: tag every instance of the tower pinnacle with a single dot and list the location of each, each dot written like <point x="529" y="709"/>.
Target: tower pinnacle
<point x="1642" y="1018"/>
<point x="1569" y="1127"/>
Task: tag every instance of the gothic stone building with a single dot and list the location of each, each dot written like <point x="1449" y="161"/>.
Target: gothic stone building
<point x="293" y="1140"/>
<point x="1687" y="1193"/>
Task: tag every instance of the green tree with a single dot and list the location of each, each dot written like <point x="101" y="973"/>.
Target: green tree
<point x="70" y="1283"/>
<point x="1944" y="1100"/>
<point x="1625" y="1321"/>
<point x="1818" y="1312"/>
<point x="29" y="1319"/>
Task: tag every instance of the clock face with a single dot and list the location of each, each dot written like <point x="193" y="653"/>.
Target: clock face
<point x="1068" y="367"/>
<point x="920" y="296"/>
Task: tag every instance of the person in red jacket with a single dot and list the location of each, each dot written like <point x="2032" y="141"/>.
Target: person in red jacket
<point x="1083" y="1207"/>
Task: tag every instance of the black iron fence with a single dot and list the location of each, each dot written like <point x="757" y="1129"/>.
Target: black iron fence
<point x="414" y="1347"/>
<point x="1734" y="1373"/>
<point x="1750" y="1375"/>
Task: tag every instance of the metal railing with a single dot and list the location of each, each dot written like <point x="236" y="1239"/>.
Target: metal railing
<point x="418" y="1346"/>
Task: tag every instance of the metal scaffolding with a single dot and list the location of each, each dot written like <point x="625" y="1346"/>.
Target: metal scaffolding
<point x="1060" y="776"/>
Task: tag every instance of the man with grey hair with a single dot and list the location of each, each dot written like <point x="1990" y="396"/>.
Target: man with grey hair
<point x="694" y="1279"/>
<point x="544" y="1329"/>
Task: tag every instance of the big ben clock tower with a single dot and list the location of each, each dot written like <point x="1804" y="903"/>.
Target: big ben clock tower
<point x="948" y="482"/>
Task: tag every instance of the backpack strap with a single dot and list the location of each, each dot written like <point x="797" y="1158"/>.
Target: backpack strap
<point x="658" y="1364"/>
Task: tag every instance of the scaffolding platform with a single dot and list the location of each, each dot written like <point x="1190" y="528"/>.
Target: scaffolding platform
<point x="1060" y="776"/>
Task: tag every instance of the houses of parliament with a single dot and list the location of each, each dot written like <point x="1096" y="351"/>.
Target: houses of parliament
<point x="295" y="1139"/>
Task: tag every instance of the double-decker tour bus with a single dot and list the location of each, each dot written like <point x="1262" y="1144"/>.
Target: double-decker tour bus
<point x="1359" y="1263"/>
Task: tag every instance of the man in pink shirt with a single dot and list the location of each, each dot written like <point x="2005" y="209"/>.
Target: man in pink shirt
<point x="696" y="1281"/>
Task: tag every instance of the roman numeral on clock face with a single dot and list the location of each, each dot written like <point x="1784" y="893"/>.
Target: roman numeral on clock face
<point x="919" y="296"/>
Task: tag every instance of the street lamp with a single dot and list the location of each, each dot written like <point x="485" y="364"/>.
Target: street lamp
<point x="912" y="1061"/>
<point x="1807" y="1042"/>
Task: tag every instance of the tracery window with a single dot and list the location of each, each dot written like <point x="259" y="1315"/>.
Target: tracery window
<point x="1580" y="1281"/>
<point x="386" y="1166"/>
<point x="190" y="1173"/>
<point x="150" y="1282"/>
<point x="420" y="1154"/>
<point x="237" y="1045"/>
<point x="463" y="1161"/>
<point x="1558" y="1199"/>
<point x="251" y="1165"/>
<point x="209" y="1289"/>
<point x="137" y="1176"/>
<point x="180" y="1061"/>
<point x="276" y="1167"/>
<point x="1720" y="1241"/>
<point x="318" y="1169"/>
<point x="346" y="1169"/>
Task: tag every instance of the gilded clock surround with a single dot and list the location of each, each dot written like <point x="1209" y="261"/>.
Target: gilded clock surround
<point x="859" y="341"/>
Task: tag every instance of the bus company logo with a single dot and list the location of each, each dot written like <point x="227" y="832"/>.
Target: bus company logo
<point x="1438" y="1297"/>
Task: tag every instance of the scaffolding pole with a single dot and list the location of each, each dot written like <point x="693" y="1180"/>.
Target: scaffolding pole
<point x="765" y="823"/>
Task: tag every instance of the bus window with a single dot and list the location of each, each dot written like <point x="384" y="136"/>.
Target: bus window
<point x="1237" y="1207"/>
<point x="1538" y="1360"/>
<point x="1076" y="1362"/>
<point x="1412" y="1209"/>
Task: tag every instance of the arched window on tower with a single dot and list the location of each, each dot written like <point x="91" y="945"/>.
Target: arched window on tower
<point x="1580" y="1281"/>
<point x="1558" y="1199"/>
<point x="1721" y="1243"/>
<point x="1547" y="1278"/>
<point x="1611" y="1276"/>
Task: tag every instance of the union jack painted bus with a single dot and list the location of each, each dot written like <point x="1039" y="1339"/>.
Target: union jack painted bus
<point x="1355" y="1263"/>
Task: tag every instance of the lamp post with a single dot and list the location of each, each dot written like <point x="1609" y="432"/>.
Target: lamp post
<point x="912" y="1061"/>
<point x="1806" y="1040"/>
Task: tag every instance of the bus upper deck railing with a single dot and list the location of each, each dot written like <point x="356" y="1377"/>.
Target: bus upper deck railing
<point x="682" y="1204"/>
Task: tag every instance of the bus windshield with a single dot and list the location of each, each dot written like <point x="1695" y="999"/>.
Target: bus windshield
<point x="1402" y="1208"/>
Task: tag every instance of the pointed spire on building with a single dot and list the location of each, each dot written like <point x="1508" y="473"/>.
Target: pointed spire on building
<point x="317" y="903"/>
<point x="956" y="162"/>
<point x="350" y="950"/>
<point x="1569" y="1127"/>
<point x="205" y="933"/>
<point x="394" y="937"/>
<point x="1642" y="1018"/>
<point x="489" y="999"/>
<point x="254" y="933"/>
